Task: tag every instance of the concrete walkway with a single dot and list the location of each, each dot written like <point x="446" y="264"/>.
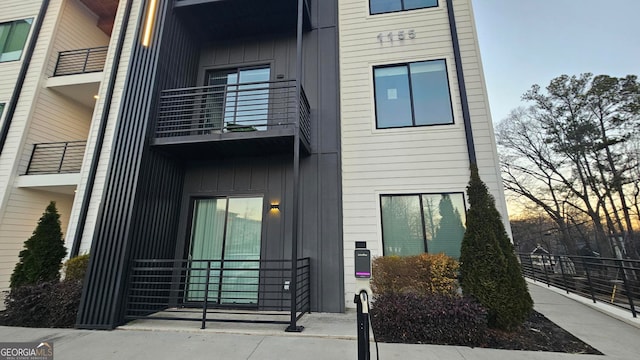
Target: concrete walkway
<point x="327" y="336"/>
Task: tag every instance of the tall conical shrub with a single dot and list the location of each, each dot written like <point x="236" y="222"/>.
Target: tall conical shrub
<point x="489" y="268"/>
<point x="41" y="259"/>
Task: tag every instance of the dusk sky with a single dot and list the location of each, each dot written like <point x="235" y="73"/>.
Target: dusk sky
<point x="530" y="42"/>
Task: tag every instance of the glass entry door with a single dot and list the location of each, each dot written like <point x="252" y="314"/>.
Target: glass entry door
<point x="226" y="231"/>
<point x="240" y="98"/>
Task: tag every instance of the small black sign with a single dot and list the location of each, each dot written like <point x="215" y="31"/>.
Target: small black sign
<point x="363" y="263"/>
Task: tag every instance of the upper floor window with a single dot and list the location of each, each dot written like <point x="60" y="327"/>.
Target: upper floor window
<point x="13" y="36"/>
<point x="414" y="94"/>
<point x="417" y="223"/>
<point x="1" y="109"/>
<point x="385" y="6"/>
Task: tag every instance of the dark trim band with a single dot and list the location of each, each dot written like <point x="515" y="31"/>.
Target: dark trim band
<point x="461" y="85"/>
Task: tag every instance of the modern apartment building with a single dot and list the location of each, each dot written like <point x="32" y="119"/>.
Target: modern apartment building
<point x="231" y="152"/>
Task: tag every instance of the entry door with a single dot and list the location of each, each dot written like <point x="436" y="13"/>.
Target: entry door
<point x="228" y="232"/>
<point x="241" y="98"/>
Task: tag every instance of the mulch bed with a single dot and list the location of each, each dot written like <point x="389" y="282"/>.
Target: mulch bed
<point x="539" y="334"/>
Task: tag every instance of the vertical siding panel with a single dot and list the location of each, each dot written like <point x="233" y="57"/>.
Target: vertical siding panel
<point x="131" y="222"/>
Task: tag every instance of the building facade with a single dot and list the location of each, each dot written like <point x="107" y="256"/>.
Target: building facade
<point x="231" y="152"/>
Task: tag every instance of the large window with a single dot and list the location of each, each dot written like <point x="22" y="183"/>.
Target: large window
<point x="13" y="36"/>
<point x="418" y="223"/>
<point x="414" y="94"/>
<point x="239" y="98"/>
<point x="385" y="6"/>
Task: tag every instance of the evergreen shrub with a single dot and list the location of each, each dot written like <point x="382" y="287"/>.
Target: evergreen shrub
<point x="41" y="259"/>
<point x="489" y="269"/>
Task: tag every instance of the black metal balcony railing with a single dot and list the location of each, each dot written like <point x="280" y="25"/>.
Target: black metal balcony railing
<point x="56" y="158"/>
<point x="612" y="281"/>
<point x="81" y="61"/>
<point x="257" y="106"/>
<point x="172" y="289"/>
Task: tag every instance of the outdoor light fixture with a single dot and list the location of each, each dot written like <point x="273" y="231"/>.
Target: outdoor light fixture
<point x="148" y="25"/>
<point x="275" y="206"/>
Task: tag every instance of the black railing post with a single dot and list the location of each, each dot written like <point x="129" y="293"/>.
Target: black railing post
<point x="293" y="327"/>
<point x="627" y="288"/>
<point x="86" y="60"/>
<point x="205" y="302"/>
<point x="64" y="152"/>
<point x="35" y="146"/>
<point x="544" y="268"/>
<point x="586" y="268"/>
<point x="564" y="278"/>
<point x="533" y="269"/>
<point x="55" y="70"/>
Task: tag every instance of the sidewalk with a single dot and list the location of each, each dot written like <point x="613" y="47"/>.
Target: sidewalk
<point x="327" y="336"/>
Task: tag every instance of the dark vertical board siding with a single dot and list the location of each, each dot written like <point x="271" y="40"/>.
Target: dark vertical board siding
<point x="139" y="214"/>
<point x="145" y="208"/>
<point x="321" y="208"/>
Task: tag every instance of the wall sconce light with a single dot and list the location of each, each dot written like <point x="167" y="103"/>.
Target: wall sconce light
<point x="275" y="206"/>
<point x="148" y="26"/>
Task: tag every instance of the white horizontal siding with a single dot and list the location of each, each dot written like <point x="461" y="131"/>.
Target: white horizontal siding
<point x="16" y="204"/>
<point x="42" y="115"/>
<point x="11" y="10"/>
<point x="429" y="159"/>
<point x="103" y="161"/>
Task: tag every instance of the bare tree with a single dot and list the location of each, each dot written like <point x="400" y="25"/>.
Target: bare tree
<point x="568" y="153"/>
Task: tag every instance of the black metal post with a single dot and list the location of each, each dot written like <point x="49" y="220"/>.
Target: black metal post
<point x="627" y="288"/>
<point x="64" y="152"/>
<point x="586" y="268"/>
<point x="35" y="146"/>
<point x="55" y="70"/>
<point x="544" y="267"/>
<point x="205" y="302"/>
<point x="364" y="352"/>
<point x="564" y="279"/>
<point x="533" y="269"/>
<point x="86" y="59"/>
<point x="293" y="327"/>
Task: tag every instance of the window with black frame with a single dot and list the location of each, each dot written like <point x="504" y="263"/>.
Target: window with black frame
<point x="13" y="36"/>
<point x="412" y="94"/>
<point x="387" y="6"/>
<point x="417" y="223"/>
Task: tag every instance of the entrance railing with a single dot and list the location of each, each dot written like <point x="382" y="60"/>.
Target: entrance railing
<point x="612" y="281"/>
<point x="174" y="289"/>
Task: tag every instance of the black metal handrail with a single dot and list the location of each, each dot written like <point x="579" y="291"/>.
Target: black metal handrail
<point x="81" y="61"/>
<point x="256" y="106"/>
<point x="612" y="281"/>
<point x="56" y="158"/>
<point x="163" y="289"/>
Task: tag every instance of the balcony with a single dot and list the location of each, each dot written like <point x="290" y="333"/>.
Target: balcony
<point x="54" y="167"/>
<point x="224" y="19"/>
<point x="56" y="158"/>
<point x="78" y="74"/>
<point x="82" y="61"/>
<point x="242" y="119"/>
